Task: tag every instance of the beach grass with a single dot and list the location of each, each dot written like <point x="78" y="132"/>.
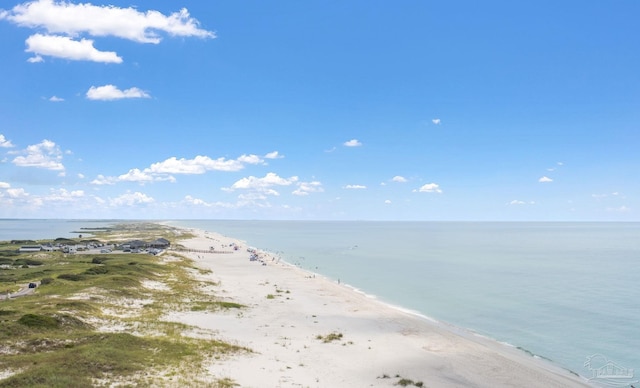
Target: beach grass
<point x="97" y="319"/>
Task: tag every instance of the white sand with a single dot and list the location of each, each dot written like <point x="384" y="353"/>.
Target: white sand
<point x="377" y="340"/>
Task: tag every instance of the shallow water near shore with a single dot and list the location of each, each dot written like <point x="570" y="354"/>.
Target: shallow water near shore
<point x="561" y="291"/>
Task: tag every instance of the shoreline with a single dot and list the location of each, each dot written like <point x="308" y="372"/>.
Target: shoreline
<point x="378" y="343"/>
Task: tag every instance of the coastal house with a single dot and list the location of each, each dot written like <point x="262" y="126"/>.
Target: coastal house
<point x="134" y="244"/>
<point x="161" y="243"/>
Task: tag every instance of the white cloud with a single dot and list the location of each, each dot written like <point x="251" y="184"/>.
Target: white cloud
<point x="545" y="179"/>
<point x="352" y="143"/>
<point x="4" y="185"/>
<point x="305" y="188"/>
<point x="35" y="59"/>
<point x="620" y="209"/>
<point x="273" y="155"/>
<point x="197" y="165"/>
<point x="430" y="188"/>
<point x="128" y="23"/>
<point x="63" y="195"/>
<point x="355" y="187"/>
<point x="43" y="155"/>
<point x="195" y="201"/>
<point x="161" y="171"/>
<point x="263" y="184"/>
<point x="67" y="48"/>
<point x="4" y="143"/>
<point x="614" y="194"/>
<point x="250" y="159"/>
<point x="436" y="121"/>
<point x="399" y="179"/>
<point x="131" y="199"/>
<point x="387" y="202"/>
<point x="111" y="92"/>
<point x="517" y="202"/>
<point x="103" y="180"/>
<point x="56" y="99"/>
<point x="17" y="193"/>
<point x="135" y="175"/>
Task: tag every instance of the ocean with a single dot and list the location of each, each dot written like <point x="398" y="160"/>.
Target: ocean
<point x="566" y="292"/>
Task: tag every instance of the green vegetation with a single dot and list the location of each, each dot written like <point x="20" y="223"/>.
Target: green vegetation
<point x="100" y="319"/>
<point x="407" y="382"/>
<point x="404" y="382"/>
<point x="330" y="337"/>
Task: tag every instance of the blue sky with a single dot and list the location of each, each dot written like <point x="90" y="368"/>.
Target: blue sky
<point x="338" y="110"/>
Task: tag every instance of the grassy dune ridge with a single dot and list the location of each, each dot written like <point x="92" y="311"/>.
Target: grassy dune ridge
<point x="96" y="319"/>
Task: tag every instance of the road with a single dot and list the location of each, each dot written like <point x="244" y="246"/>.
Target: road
<point x="25" y="290"/>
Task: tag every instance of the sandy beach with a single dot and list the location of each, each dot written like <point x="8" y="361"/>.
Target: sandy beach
<point x="308" y="331"/>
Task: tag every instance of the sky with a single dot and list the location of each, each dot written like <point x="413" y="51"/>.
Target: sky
<point x="321" y="110"/>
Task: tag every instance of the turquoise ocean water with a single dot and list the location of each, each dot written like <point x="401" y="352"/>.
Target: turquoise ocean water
<point x="562" y="291"/>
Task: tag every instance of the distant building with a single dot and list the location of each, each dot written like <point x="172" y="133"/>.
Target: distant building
<point x="30" y="248"/>
<point x="161" y="243"/>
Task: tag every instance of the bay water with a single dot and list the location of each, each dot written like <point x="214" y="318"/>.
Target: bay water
<point x="561" y="291"/>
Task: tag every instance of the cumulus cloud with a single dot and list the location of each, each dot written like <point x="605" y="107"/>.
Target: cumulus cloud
<point x="56" y="99"/>
<point x="17" y="193"/>
<point x="305" y="188"/>
<point x="517" y="202"/>
<point x="67" y="48"/>
<point x="614" y="194"/>
<point x="45" y="155"/>
<point x="61" y="17"/>
<point x="4" y="185"/>
<point x="111" y="92"/>
<point x="545" y="179"/>
<point x="264" y="184"/>
<point x="619" y="209"/>
<point x="430" y="188"/>
<point x="436" y="121"/>
<point x="103" y="180"/>
<point x="352" y="143"/>
<point x="140" y="176"/>
<point x="273" y="155"/>
<point x="161" y="171"/>
<point x="196" y="201"/>
<point x="4" y="143"/>
<point x="198" y="165"/>
<point x="135" y="175"/>
<point x="250" y="159"/>
<point x="399" y="179"/>
<point x="355" y="187"/>
<point x="63" y="195"/>
<point x="131" y="199"/>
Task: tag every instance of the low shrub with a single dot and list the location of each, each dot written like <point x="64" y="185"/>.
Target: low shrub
<point x="96" y="271"/>
<point x="71" y="276"/>
<point x="27" y="262"/>
<point x="38" y="321"/>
